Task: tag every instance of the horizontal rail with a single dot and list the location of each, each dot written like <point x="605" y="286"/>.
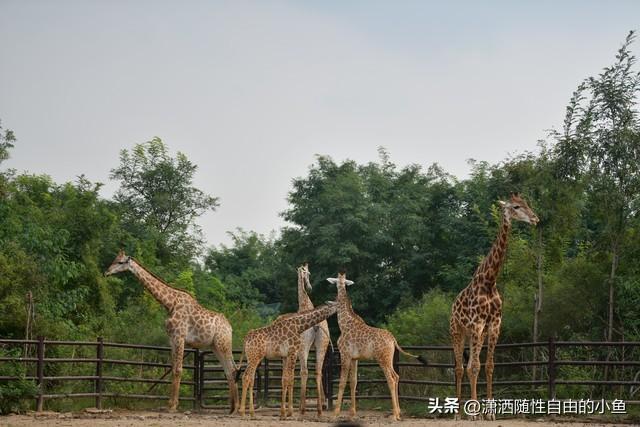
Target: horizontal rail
<point x="15" y="341"/>
<point x="598" y="343"/>
<point x="209" y="383"/>
<point x="598" y="362"/>
<point x="596" y="382"/>
<point x="118" y="395"/>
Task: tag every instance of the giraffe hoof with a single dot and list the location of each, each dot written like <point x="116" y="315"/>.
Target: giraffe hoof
<point x="490" y="417"/>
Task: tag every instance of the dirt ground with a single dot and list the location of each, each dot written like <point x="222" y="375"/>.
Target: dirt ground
<point x="264" y="418"/>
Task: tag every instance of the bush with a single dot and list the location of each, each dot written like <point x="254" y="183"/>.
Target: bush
<point x="15" y="395"/>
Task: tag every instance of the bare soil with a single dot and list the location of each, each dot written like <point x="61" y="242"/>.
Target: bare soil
<point x="263" y="418"/>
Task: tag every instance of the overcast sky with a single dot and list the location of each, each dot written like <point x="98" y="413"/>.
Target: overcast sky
<point x="251" y="91"/>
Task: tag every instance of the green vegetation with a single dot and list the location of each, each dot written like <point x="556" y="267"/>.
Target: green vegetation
<point x="410" y="237"/>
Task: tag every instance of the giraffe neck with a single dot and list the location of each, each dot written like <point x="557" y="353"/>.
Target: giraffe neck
<point x="308" y="319"/>
<point x="163" y="293"/>
<point x="345" y="310"/>
<point x="304" y="302"/>
<point x="492" y="263"/>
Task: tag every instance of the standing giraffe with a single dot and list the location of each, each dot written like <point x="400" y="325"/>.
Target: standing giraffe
<point x="282" y="338"/>
<point x="188" y="323"/>
<point x="318" y="337"/>
<point x="477" y="310"/>
<point x="361" y="341"/>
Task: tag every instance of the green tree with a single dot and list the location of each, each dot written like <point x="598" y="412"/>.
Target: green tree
<point x="7" y="138"/>
<point x="156" y="191"/>
<point x="601" y="146"/>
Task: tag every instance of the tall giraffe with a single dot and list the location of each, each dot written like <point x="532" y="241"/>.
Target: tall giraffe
<point x="282" y="338"/>
<point x="188" y="323"/>
<point x="477" y="310"/>
<point x="318" y="337"/>
<point x="361" y="341"/>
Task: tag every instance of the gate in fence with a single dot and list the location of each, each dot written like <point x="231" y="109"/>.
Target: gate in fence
<point x="102" y="371"/>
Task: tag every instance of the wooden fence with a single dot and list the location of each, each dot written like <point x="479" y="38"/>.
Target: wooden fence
<point x="203" y="376"/>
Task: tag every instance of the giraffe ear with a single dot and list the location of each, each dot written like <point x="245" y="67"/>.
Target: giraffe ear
<point x="332" y="280"/>
<point x="348" y="282"/>
<point x="501" y="203"/>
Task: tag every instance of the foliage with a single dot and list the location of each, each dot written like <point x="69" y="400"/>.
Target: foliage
<point x="156" y="192"/>
<point x="14" y="395"/>
<point x="409" y="236"/>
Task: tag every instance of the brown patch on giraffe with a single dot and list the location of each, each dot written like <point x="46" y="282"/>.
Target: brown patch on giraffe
<point x="280" y="339"/>
<point x="477" y="310"/>
<point x="188" y="324"/>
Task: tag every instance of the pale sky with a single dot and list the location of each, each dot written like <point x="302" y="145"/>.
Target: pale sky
<point x="251" y="91"/>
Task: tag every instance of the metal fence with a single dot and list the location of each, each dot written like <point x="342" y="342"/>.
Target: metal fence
<point x="205" y="385"/>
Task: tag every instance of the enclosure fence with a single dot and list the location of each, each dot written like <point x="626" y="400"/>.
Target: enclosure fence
<point x="121" y="373"/>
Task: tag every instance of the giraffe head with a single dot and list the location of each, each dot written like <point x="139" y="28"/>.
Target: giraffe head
<point x="341" y="280"/>
<point x="303" y="276"/>
<point x="120" y="264"/>
<point x="518" y="209"/>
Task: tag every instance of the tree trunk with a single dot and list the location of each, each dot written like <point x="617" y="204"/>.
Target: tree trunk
<point x="612" y="278"/>
<point x="537" y="307"/>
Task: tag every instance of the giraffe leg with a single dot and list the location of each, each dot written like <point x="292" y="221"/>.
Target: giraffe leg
<point x="284" y="388"/>
<point x="493" y="333"/>
<point x="353" y="383"/>
<point x="386" y="363"/>
<point x="290" y="366"/>
<point x="458" y="350"/>
<point x="252" y="379"/>
<point x="304" y="375"/>
<point x="396" y="378"/>
<point x="247" y="385"/>
<point x="345" y="365"/>
<point x="177" y="354"/>
<point x="473" y="368"/>
<point x="320" y="354"/>
<point x="225" y="356"/>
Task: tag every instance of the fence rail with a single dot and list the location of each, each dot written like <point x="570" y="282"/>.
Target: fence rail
<point x="208" y="387"/>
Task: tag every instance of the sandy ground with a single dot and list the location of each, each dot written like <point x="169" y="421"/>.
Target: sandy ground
<point x="264" y="418"/>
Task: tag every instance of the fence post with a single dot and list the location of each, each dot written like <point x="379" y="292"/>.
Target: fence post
<point x="265" y="391"/>
<point x="196" y="379"/>
<point x="98" y="382"/>
<point x="201" y="378"/>
<point x="40" y="374"/>
<point x="551" y="368"/>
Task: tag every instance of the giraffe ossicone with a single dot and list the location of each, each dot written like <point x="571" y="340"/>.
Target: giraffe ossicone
<point x="188" y="323"/>
<point x="280" y="339"/>
<point x="317" y="337"/>
<point x="360" y="341"/>
<point x="476" y="312"/>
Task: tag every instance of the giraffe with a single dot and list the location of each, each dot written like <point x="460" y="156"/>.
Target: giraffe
<point x="282" y="338"/>
<point x="188" y="323"/>
<point x="477" y="310"/>
<point x="318" y="337"/>
<point x="361" y="341"/>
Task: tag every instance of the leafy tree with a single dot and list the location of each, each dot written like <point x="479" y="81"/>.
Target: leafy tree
<point x="247" y="268"/>
<point x="7" y="138"/>
<point x="601" y="146"/>
<point x="156" y="191"/>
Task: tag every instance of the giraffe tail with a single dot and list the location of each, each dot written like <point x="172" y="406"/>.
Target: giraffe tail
<point x="420" y="358"/>
<point x="328" y="336"/>
<point x="465" y="354"/>
<point x="239" y="367"/>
